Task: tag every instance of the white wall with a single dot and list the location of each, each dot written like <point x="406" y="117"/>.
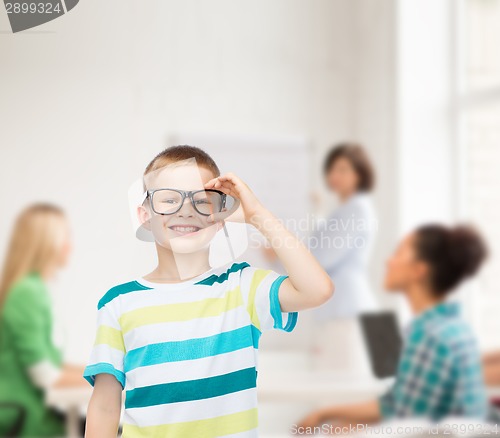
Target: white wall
<point x="88" y="99"/>
<point x="375" y="118"/>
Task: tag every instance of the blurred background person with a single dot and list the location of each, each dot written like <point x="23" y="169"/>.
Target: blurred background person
<point x="439" y="373"/>
<point x="491" y="368"/>
<point x="342" y="244"/>
<point x="30" y="363"/>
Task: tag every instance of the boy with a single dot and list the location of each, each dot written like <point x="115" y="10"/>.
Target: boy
<point x="182" y="340"/>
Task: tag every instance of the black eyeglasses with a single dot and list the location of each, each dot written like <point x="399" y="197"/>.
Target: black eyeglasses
<point x="169" y="201"/>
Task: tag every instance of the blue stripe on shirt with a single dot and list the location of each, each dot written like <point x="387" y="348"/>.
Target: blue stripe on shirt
<point x="190" y="349"/>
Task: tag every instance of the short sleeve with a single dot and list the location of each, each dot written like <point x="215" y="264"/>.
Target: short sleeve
<point x="27" y="317"/>
<point x="108" y="351"/>
<point x="260" y="289"/>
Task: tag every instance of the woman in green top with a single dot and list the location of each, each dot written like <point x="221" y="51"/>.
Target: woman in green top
<point x="29" y="361"/>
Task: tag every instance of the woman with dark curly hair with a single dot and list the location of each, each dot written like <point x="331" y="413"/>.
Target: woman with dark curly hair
<point x="439" y="373"/>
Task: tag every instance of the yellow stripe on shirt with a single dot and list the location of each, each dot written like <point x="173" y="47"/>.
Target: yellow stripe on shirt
<point x="257" y="279"/>
<point x="180" y="311"/>
<point x="110" y="336"/>
<point x="206" y="428"/>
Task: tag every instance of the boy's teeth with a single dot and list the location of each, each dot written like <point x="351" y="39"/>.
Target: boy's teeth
<point x="185" y="229"/>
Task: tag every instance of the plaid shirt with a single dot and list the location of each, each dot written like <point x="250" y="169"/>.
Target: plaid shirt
<point x="439" y="373"/>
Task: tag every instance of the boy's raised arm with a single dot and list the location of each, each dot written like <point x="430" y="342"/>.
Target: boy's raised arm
<point x="308" y="284"/>
<point x="103" y="412"/>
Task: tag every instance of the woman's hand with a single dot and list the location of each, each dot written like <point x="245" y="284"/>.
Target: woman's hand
<point x="233" y="186"/>
<point x="343" y="416"/>
<point x="315" y="418"/>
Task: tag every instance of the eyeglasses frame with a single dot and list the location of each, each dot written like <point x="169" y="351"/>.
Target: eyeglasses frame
<point x="185" y="194"/>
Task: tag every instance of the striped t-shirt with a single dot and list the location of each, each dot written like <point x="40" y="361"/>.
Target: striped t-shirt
<point x="186" y="353"/>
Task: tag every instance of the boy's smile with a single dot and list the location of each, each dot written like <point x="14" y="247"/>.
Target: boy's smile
<point x="184" y="229"/>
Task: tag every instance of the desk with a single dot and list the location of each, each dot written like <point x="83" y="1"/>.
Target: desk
<point x="318" y="387"/>
<point x="286" y="386"/>
<point x="72" y="401"/>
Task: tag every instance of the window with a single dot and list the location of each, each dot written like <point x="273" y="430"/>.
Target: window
<point x="479" y="127"/>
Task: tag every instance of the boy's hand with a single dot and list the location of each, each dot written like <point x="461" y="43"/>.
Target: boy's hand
<point x="233" y="186"/>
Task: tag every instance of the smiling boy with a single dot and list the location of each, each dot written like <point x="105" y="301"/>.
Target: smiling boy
<point x="182" y="341"/>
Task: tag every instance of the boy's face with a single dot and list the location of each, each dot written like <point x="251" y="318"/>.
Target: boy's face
<point x="185" y="231"/>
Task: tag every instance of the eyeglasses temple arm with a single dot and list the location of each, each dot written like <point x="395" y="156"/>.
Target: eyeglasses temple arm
<point x="228" y="240"/>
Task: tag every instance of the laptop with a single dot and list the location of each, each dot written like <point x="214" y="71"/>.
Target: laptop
<point x="383" y="341"/>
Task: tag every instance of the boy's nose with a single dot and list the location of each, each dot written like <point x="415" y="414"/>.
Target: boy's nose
<point x="186" y="209"/>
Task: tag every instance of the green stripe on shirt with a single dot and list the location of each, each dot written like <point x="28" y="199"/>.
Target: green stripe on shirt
<point x="190" y="390"/>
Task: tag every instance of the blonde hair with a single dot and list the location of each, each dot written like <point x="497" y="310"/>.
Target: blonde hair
<point x="36" y="239"/>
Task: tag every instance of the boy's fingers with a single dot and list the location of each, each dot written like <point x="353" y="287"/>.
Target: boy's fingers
<point x="235" y="216"/>
<point x="229" y="184"/>
<point x="226" y="187"/>
<point x="210" y="183"/>
<point x="228" y="191"/>
<point x="216" y="217"/>
<point x="232" y="178"/>
<point x="230" y="187"/>
<point x="213" y="185"/>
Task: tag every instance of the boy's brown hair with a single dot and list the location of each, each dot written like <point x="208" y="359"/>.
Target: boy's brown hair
<point x="174" y="154"/>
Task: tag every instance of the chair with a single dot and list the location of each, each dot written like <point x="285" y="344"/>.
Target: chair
<point x="18" y="423"/>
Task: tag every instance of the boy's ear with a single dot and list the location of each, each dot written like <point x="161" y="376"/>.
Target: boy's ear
<point x="144" y="216"/>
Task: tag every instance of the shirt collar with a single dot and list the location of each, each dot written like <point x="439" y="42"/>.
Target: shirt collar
<point x="446" y="309"/>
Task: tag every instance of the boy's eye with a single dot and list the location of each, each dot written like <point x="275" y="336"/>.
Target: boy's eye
<point x="202" y="201"/>
<point x="169" y="201"/>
